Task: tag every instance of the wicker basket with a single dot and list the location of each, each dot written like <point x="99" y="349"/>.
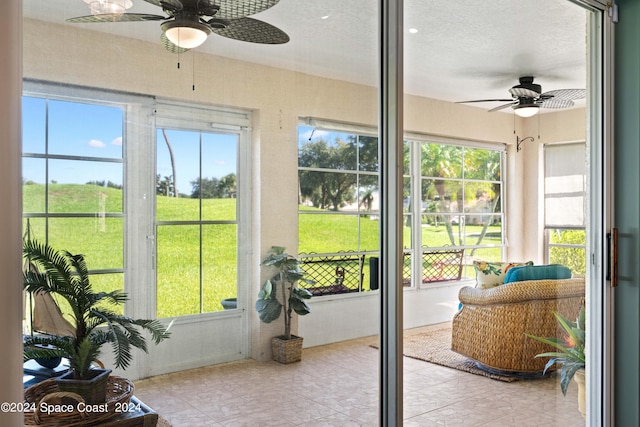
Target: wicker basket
<point x="286" y="351"/>
<point x="39" y="396"/>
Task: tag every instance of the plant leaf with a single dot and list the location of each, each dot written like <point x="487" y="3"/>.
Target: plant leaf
<point x="269" y="309"/>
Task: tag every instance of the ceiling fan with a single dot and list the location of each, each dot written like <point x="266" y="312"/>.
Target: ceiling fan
<point x="188" y="23"/>
<point x="527" y="98"/>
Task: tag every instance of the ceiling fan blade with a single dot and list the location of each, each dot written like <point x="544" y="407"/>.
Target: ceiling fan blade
<point x="232" y="9"/>
<point x="485" y="100"/>
<point x="170" y="46"/>
<point x="570" y="94"/>
<point x="127" y="17"/>
<point x="252" y="31"/>
<point x="523" y="92"/>
<point x="172" y="5"/>
<point x="557" y="103"/>
<point x="501" y="107"/>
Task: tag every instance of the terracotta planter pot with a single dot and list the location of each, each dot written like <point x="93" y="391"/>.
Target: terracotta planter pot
<point x="286" y="351"/>
<point x="92" y="390"/>
<point x="582" y="400"/>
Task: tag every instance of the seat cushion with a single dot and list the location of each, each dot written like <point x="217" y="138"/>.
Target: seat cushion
<point x="537" y="272"/>
<point x="491" y="274"/>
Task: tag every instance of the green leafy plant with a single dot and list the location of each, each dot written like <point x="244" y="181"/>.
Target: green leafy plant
<point x="570" y="355"/>
<point x="66" y="275"/>
<point x="293" y="298"/>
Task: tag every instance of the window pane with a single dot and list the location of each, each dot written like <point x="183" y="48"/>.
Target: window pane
<point x="368" y="153"/>
<point x="482" y="230"/>
<point x="34" y="122"/>
<point x="327" y="233"/>
<point x="481" y="164"/>
<point x="407" y="241"/>
<point x="406" y="158"/>
<point x="369" y="233"/>
<point x="441" y="230"/>
<point x="178" y="175"/>
<point x="441" y="195"/>
<point x="480" y="197"/>
<point x="328" y="190"/>
<point x="96" y="196"/>
<point x="37" y="228"/>
<point x="83" y="172"/>
<point x="99" y="239"/>
<point x="33" y="188"/>
<point x="441" y="161"/>
<point x="219" y="162"/>
<point x="328" y="150"/>
<point x="107" y="283"/>
<point x="219" y="265"/>
<point x="567" y="247"/>
<point x="406" y="194"/>
<point x="369" y="194"/>
<point x="78" y="129"/>
<point x="178" y="270"/>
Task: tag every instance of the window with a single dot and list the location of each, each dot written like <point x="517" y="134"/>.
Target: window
<point x="453" y="209"/>
<point x="73" y="189"/>
<point x="338" y="206"/>
<point x="564" y="205"/>
<point x="198" y="193"/>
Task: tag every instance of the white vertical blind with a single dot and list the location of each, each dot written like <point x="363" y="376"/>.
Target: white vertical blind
<point x="564" y="185"/>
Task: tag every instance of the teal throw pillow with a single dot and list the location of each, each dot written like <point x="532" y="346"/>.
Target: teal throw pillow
<point x="537" y="272"/>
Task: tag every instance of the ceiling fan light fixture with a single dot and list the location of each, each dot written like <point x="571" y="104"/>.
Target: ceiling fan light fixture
<point x="186" y="34"/>
<point x="526" y="107"/>
<point x="115" y="8"/>
<point x="526" y="110"/>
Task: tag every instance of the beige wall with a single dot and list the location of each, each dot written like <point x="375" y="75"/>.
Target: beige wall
<point x="277" y="98"/>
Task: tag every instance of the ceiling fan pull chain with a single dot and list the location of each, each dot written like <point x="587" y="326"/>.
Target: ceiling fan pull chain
<point x="193" y="71"/>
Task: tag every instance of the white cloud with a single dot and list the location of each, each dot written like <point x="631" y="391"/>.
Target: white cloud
<point x="117" y="141"/>
<point x="96" y="143"/>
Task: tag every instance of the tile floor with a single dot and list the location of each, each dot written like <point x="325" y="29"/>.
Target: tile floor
<point x="337" y="385"/>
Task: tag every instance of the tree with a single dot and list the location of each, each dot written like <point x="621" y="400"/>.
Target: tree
<point x="328" y="190"/>
<point x="442" y="161"/>
<point x="173" y="161"/>
<point x="206" y="188"/>
<point x="164" y="186"/>
<point x="227" y="186"/>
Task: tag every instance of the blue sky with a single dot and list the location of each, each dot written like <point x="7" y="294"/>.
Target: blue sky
<point x="91" y="130"/>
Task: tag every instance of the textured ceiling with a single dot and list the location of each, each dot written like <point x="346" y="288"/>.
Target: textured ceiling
<point x="463" y="49"/>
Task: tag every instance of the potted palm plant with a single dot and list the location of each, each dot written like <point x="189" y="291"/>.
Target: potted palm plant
<point x="569" y="354"/>
<point x="286" y="348"/>
<point x="65" y="275"/>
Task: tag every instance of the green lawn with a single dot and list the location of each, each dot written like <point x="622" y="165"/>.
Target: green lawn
<point x="179" y="257"/>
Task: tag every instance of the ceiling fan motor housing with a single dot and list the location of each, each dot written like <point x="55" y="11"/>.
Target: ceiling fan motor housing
<point x="526" y="88"/>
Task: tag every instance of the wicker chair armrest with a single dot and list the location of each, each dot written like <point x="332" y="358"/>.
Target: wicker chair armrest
<point x="529" y="290"/>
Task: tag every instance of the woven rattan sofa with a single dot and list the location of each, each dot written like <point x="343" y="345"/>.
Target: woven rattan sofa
<point x="491" y="325"/>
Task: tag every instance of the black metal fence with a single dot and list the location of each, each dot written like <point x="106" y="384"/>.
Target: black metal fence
<point x="334" y="274"/>
<point x="350" y="272"/>
<point x="440" y="265"/>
